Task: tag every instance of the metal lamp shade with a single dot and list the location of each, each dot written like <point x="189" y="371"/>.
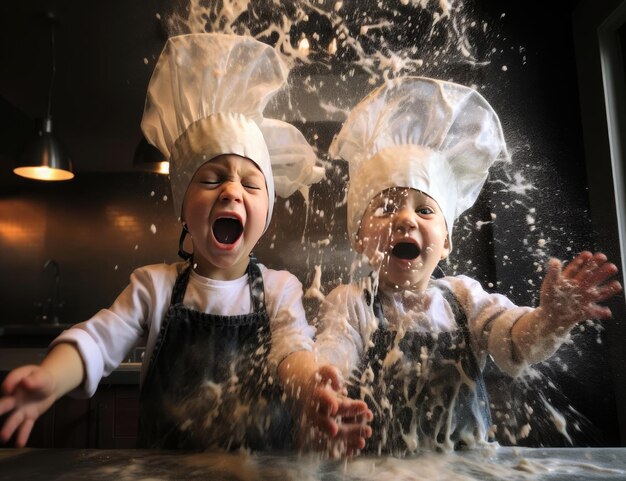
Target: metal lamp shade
<point x="148" y="158"/>
<point x="45" y="157"/>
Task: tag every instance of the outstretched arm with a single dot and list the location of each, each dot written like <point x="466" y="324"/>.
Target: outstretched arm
<point x="328" y="419"/>
<point x="568" y="296"/>
<point x="28" y="391"/>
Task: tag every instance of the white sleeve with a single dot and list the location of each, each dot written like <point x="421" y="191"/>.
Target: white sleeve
<point x="104" y="340"/>
<point x="288" y="324"/>
<point x="345" y="326"/>
<point x="490" y="319"/>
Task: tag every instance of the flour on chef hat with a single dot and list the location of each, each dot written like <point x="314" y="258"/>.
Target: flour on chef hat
<point x="206" y="98"/>
<point x="434" y="136"/>
<point x="293" y="159"/>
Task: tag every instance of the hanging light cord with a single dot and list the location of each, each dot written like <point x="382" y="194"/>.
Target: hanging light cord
<point x="44" y="157"/>
<point x="53" y="67"/>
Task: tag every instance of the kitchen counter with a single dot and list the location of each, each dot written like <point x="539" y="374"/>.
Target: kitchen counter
<point x="569" y="464"/>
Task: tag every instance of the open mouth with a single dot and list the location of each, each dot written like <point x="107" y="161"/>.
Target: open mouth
<point x="227" y="230"/>
<point x="406" y="250"/>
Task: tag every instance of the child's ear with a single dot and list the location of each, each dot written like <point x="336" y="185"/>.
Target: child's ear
<point x="446" y="248"/>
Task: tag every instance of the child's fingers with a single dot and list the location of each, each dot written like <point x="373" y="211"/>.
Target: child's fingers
<point x="15" y="377"/>
<point x="330" y="375"/>
<point x="349" y="439"/>
<point x="575" y="265"/>
<point x="339" y="425"/>
<point x="23" y="432"/>
<point x="7" y="404"/>
<point x="585" y="266"/>
<point x="326" y="425"/>
<point x="596" y="311"/>
<point x="597" y="274"/>
<point x="355" y="430"/>
<point x="350" y="408"/>
<point x="12" y="380"/>
<point x="354" y="437"/>
<point x="590" y="270"/>
<point x="553" y="273"/>
<point x="325" y="402"/>
<point x="606" y="291"/>
<point x="10" y="425"/>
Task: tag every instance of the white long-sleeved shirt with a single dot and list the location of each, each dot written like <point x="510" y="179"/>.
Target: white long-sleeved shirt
<point x="347" y="322"/>
<point x="135" y="317"/>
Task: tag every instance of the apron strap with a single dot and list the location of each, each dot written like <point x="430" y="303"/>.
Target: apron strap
<point x="178" y="292"/>
<point x="257" y="288"/>
<point x="461" y="320"/>
<point x="459" y="314"/>
<point x="377" y="307"/>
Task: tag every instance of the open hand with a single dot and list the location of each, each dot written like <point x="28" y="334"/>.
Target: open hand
<point x="572" y="294"/>
<point x="27" y="392"/>
<point x="333" y="421"/>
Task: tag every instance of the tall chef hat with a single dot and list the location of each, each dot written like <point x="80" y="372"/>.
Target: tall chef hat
<point x="206" y="98"/>
<point x="434" y="136"/>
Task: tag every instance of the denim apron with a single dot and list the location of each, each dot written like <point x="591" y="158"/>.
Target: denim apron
<point x="426" y="391"/>
<point x="208" y="384"/>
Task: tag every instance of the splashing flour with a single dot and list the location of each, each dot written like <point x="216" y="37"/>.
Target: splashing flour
<point x="352" y="47"/>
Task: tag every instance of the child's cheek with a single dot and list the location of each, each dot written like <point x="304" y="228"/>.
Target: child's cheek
<point x="376" y="258"/>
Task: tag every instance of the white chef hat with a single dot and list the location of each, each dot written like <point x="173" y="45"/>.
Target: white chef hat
<point x="434" y="136"/>
<point x="206" y="98"/>
<point x="293" y="159"/>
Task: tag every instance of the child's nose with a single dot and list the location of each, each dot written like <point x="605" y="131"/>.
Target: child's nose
<point x="405" y="221"/>
<point x="231" y="191"/>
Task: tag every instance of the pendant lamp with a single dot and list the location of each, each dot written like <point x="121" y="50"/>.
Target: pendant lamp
<point x="150" y="159"/>
<point x="45" y="157"/>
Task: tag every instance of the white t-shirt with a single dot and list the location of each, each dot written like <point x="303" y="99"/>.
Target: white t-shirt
<point x="135" y="317"/>
<point x="346" y="322"/>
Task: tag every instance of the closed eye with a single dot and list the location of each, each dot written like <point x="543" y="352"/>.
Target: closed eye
<point x="387" y="208"/>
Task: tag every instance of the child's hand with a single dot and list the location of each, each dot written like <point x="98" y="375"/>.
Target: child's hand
<point x="572" y="294"/>
<point x="568" y="296"/>
<point x="27" y="392"/>
<point x="339" y="424"/>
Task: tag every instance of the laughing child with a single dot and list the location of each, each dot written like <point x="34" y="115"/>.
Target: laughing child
<point x="413" y="347"/>
<point x="218" y="327"/>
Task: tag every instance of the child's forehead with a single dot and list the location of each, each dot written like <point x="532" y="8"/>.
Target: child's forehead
<point x="228" y="162"/>
<point x="399" y="194"/>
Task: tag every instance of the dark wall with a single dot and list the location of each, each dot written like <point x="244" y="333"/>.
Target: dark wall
<point x="539" y="107"/>
<point x="97" y="227"/>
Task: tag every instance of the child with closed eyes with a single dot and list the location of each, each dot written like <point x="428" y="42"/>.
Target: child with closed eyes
<point x="221" y="330"/>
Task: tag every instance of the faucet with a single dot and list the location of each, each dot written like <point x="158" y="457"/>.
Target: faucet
<point x="51" y="311"/>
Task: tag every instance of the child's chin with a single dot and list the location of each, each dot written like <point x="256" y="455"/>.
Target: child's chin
<point x="394" y="281"/>
<point x="400" y="279"/>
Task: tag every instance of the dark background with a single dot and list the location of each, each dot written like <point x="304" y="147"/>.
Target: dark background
<point x="112" y="218"/>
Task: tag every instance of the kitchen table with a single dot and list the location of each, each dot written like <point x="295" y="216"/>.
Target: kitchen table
<point x="493" y="463"/>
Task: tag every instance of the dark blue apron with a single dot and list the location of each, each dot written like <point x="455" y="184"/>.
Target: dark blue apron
<point x="208" y="384"/>
<point x="432" y="397"/>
